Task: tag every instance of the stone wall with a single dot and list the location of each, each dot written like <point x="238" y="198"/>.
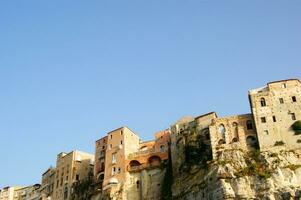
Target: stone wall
<point x="275" y="108"/>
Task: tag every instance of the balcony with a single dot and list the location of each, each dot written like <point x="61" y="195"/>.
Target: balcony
<point x="141" y="153"/>
<point x="143" y="166"/>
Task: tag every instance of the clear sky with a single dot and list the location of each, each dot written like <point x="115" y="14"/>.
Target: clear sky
<point x="70" y="71"/>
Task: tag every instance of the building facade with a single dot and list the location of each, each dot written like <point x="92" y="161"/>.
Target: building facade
<point x="275" y="108"/>
<point x="47" y="184"/>
<point x="121" y="156"/>
<point x="70" y="169"/>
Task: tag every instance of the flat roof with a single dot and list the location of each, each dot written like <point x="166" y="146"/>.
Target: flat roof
<point x="292" y="79"/>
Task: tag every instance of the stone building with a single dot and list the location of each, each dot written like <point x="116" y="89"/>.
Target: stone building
<point x="31" y="192"/>
<point x="275" y="108"/>
<point x="47" y="184"/>
<point x="7" y="193"/>
<point x="70" y="169"/>
<point x="234" y="132"/>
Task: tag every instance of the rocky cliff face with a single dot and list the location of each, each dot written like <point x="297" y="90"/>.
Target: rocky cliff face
<point x="238" y="175"/>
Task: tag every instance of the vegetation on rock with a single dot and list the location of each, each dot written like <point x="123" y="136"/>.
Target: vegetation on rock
<point x="279" y="143"/>
<point x="297" y="127"/>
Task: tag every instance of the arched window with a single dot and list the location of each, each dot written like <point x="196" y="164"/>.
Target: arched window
<point x="154" y="161"/>
<point x="222" y="131"/>
<point x="235" y="130"/>
<point x="249" y="125"/>
<point x="234" y="140"/>
<point x="263" y="102"/>
<point x="206" y="134"/>
<point x="221" y="141"/>
<point x="251" y="141"/>
<point x="138" y="184"/>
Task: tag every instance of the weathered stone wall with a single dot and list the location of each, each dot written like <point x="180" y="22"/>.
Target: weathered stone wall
<point x="274" y="112"/>
<point x="235" y="132"/>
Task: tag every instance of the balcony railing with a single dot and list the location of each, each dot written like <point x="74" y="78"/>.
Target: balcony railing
<point x="143" y="166"/>
<point x="141" y="153"/>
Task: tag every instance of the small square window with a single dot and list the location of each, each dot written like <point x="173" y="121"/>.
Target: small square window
<point x="274" y="119"/>
<point x="263" y="120"/>
<point x="294" y="99"/>
<point x="293" y="116"/>
<point x="266" y="132"/>
<point x="281" y="100"/>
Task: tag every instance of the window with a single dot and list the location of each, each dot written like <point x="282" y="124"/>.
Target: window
<point x="263" y="102"/>
<point x="274" y="119"/>
<point x="103" y="147"/>
<point x="283" y="85"/>
<point x="162" y="148"/>
<point x="266" y="132"/>
<point x="111" y="136"/>
<point x="121" y="132"/>
<point x="77" y="177"/>
<point x="249" y="125"/>
<point x="110" y="146"/>
<point x="263" y="120"/>
<point x="293" y="116"/>
<point x="119" y="169"/>
<point x="222" y="129"/>
<point x="113" y="170"/>
<point x="121" y="142"/>
<point x="66" y="193"/>
<point x="114" y="158"/>
<point x="294" y="99"/>
<point x="281" y="100"/>
<point x="138" y="184"/>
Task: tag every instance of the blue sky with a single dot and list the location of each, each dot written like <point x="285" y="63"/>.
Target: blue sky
<point x="70" y="71"/>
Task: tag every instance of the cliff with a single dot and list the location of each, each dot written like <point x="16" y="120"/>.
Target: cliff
<point x="238" y="175"/>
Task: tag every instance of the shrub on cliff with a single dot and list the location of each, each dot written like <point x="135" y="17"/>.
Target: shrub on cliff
<point x="297" y="127"/>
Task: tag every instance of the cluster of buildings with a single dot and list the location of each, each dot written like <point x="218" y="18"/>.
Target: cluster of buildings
<point x="122" y="160"/>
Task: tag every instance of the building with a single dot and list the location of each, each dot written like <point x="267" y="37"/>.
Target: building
<point x="7" y="193"/>
<point x="47" y="184"/>
<point x="120" y="156"/>
<point x="100" y="158"/>
<point x="275" y="108"/>
<point x="71" y="168"/>
<point x="31" y="192"/>
<point x="121" y="142"/>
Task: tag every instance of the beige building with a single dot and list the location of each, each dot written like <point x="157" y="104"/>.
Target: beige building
<point x="47" y="184"/>
<point x="121" y="142"/>
<point x="122" y="160"/>
<point x="31" y="192"/>
<point x="275" y="108"/>
<point x="70" y="168"/>
<point x="100" y="159"/>
<point x="7" y="193"/>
